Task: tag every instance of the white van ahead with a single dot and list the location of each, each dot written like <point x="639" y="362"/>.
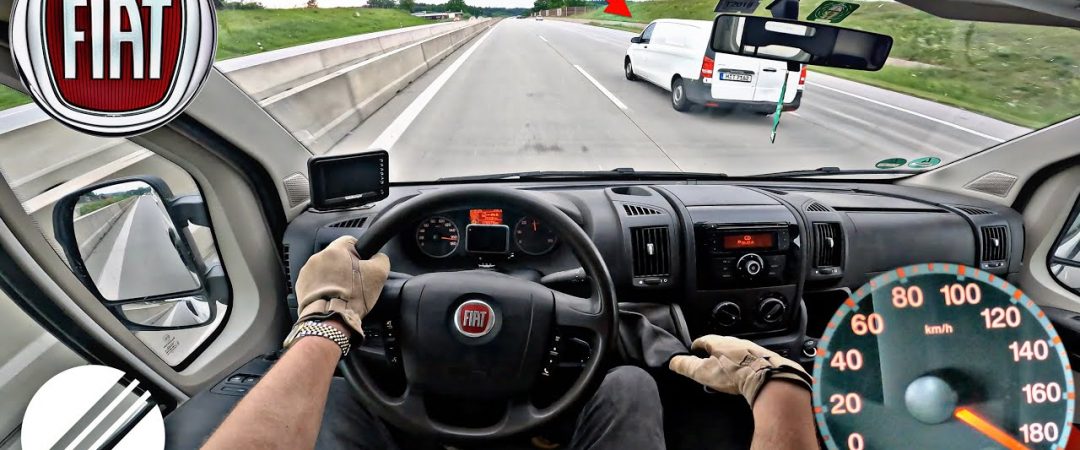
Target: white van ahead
<point x="675" y="55"/>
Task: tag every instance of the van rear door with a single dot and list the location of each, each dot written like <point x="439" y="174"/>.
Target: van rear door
<point x="771" y="78"/>
<point x="734" y="77"/>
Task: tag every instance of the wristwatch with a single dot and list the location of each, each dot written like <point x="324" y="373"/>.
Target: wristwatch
<point x="321" y="329"/>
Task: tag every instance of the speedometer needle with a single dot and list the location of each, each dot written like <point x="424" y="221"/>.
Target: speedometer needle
<point x="988" y="429"/>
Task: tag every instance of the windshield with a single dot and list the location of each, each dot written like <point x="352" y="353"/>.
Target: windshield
<point x="495" y="86"/>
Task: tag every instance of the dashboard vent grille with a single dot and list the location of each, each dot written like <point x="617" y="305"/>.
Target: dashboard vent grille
<point x="973" y="211"/>
<point x="828" y="244"/>
<point x="638" y="210"/>
<point x="351" y="223"/>
<point x="285" y="266"/>
<point x="995" y="243"/>
<point x="818" y="207"/>
<point x="652" y="255"/>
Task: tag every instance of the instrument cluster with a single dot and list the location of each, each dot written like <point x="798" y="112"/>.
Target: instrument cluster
<point x="491" y="232"/>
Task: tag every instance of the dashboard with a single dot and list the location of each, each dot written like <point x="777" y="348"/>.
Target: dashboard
<point x="770" y="261"/>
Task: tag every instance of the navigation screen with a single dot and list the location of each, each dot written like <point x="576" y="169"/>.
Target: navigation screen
<point x="748" y="240"/>
<point x="486" y="216"/>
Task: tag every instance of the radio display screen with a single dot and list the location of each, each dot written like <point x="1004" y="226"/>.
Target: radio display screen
<point x="486" y="216"/>
<point x="749" y="241"/>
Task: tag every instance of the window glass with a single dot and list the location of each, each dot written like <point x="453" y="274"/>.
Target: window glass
<point x="147" y="264"/>
<point x="1065" y="260"/>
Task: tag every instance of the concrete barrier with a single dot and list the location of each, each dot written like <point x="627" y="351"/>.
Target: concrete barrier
<point x="379" y="65"/>
<point x="322" y="111"/>
<point x="91" y="228"/>
<point x="265" y="74"/>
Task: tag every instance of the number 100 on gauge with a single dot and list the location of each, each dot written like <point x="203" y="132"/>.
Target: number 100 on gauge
<point x="942" y="356"/>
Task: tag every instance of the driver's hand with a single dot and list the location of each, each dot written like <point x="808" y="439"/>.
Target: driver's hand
<point x="737" y="366"/>
<point x="336" y="282"/>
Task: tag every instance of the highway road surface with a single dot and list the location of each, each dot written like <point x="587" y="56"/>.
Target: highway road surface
<point x="551" y="95"/>
<point x="136" y="258"/>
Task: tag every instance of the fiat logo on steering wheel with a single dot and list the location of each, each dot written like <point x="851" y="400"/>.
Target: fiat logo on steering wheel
<point x="474" y="318"/>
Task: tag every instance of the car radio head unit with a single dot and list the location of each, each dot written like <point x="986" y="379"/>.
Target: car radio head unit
<point x="349" y="180"/>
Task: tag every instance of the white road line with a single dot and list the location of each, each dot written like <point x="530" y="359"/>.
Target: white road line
<point x="25" y="357"/>
<point x="542" y="38"/>
<point x="393" y="132"/>
<point x="127" y="415"/>
<point x="602" y="89"/>
<point x="924" y="116"/>
<point x="108" y="282"/>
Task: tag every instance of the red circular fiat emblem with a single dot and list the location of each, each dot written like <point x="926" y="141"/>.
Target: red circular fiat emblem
<point x="474" y="318"/>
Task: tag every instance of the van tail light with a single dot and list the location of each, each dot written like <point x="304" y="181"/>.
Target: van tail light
<point x="802" y="77"/>
<point x="706" y="67"/>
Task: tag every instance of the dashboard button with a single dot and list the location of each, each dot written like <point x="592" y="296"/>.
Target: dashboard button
<point x="726" y="314"/>
<point x="771" y="310"/>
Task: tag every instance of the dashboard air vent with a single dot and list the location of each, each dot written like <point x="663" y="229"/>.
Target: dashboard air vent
<point x="995" y="243"/>
<point x="817" y="207"/>
<point x="285" y="265"/>
<point x="638" y="210"/>
<point x="828" y="244"/>
<point x="651" y="252"/>
<point x="350" y="223"/>
<point x="973" y="211"/>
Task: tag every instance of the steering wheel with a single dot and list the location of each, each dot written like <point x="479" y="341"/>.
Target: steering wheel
<point x="481" y="334"/>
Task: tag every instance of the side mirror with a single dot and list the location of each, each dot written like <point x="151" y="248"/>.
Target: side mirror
<point x="636" y="40"/>
<point x="799" y="42"/>
<point x="136" y="247"/>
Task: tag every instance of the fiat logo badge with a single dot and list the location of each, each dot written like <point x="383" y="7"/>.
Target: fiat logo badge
<point x="474" y="318"/>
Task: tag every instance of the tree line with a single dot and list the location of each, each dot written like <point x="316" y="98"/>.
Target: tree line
<point x="451" y="5"/>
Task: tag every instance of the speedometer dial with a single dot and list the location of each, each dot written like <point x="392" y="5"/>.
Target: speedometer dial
<point x="437" y="237"/>
<point x="533" y="236"/>
<point x="942" y="356"/>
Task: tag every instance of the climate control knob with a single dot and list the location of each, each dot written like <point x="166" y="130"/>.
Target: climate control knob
<point x="750" y="265"/>
<point x="771" y="310"/>
<point x="726" y="314"/>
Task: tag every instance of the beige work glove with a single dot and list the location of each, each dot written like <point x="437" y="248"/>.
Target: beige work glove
<point x="336" y="281"/>
<point x="737" y="366"/>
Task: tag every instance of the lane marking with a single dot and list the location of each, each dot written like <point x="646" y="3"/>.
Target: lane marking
<point x="393" y="132"/>
<point x="108" y="281"/>
<point x="128" y="414"/>
<point x="924" y="116"/>
<point x="602" y="89"/>
<point x="542" y="38"/>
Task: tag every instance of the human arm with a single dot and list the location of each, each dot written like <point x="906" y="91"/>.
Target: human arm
<point x="284" y="410"/>
<point x="777" y="389"/>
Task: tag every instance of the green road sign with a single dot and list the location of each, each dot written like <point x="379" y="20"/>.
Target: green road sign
<point x="890" y="163"/>
<point x="924" y="162"/>
<point x="833" y="11"/>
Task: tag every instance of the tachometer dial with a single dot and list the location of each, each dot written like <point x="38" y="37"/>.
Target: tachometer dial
<point x="533" y="236"/>
<point x="942" y="356"/>
<point x="437" y="236"/>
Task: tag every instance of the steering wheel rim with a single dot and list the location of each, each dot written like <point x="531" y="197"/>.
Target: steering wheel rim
<point x="598" y="313"/>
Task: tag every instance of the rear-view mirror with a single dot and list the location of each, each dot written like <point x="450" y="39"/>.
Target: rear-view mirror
<point x="142" y="252"/>
<point x="636" y="40"/>
<point x="800" y="42"/>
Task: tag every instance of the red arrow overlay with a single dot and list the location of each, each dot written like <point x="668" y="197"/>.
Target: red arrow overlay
<point x="618" y="8"/>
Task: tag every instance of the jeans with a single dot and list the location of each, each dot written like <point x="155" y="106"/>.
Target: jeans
<point x="624" y="413"/>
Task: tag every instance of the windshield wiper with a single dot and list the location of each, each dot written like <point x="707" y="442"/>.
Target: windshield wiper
<point x="828" y="171"/>
<point x="624" y="173"/>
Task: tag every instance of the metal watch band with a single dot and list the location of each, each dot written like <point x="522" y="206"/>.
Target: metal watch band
<point x="318" y="328"/>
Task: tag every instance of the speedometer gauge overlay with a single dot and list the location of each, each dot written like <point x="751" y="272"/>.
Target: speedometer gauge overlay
<point x="942" y="356"/>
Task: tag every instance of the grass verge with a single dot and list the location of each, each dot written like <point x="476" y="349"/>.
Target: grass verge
<point x="613" y="26"/>
<point x="1023" y="74"/>
<point x="248" y="31"/>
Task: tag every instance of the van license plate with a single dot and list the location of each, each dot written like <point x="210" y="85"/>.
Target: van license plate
<point x="735" y="77"/>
